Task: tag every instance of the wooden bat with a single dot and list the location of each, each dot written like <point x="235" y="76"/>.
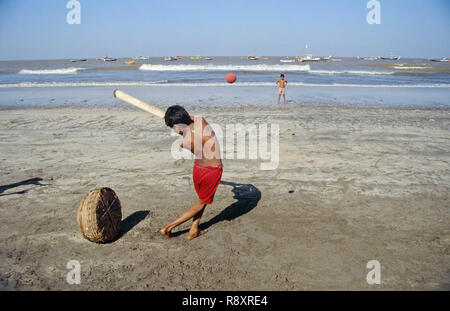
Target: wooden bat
<point x="138" y="103"/>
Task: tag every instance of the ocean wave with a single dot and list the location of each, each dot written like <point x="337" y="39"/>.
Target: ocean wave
<point x="165" y="83"/>
<point x="70" y="70"/>
<point x="80" y="84"/>
<point x="411" y="67"/>
<point x="351" y="72"/>
<point x="260" y="67"/>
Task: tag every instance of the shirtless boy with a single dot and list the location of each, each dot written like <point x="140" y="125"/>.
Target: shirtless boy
<point x="199" y="138"/>
<point x="282" y="88"/>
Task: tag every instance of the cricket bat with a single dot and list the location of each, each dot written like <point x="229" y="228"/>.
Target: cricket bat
<point x="138" y="103"/>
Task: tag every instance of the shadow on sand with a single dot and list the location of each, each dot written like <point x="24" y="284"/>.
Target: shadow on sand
<point x="131" y="221"/>
<point x="247" y="197"/>
<point x="33" y="181"/>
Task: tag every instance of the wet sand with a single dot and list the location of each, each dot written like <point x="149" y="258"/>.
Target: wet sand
<point x="352" y="185"/>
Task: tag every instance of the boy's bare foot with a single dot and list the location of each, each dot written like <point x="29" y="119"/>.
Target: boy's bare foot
<point x="166" y="232"/>
<point x="194" y="234"/>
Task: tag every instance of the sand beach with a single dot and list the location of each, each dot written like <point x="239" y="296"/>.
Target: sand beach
<point x="352" y="185"/>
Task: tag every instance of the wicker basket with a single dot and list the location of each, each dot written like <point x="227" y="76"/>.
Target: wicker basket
<point x="100" y="215"/>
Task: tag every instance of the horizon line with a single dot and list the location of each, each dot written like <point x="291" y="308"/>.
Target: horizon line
<point x="207" y="55"/>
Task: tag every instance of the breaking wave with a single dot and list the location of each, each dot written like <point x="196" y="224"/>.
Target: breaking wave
<point x="60" y="71"/>
<point x="351" y="72"/>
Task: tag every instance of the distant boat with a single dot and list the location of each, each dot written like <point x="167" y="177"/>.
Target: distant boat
<point x="253" y="57"/>
<point x="287" y="60"/>
<point x="196" y="57"/>
<point x="109" y="59"/>
<point x="322" y="59"/>
<point x="209" y="58"/>
<point x="308" y="58"/>
<point x="170" y="58"/>
<point x="390" y="58"/>
<point x="444" y="59"/>
<point x="130" y="62"/>
<point x="141" y="58"/>
<point x="78" y="60"/>
<point x="368" y="58"/>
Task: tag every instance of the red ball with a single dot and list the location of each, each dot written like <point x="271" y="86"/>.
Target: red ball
<point x="230" y="77"/>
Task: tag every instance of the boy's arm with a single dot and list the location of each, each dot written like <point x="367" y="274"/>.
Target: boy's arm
<point x="189" y="137"/>
<point x="187" y="142"/>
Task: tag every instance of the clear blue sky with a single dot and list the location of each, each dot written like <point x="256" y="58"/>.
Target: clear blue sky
<point x="31" y="29"/>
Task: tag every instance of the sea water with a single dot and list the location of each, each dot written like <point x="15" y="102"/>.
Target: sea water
<point x="344" y="81"/>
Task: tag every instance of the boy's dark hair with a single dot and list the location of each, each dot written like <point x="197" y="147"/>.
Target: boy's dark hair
<point x="282" y="75"/>
<point x="177" y="115"/>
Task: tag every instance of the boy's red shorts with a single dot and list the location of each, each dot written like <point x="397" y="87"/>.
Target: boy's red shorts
<point x="206" y="180"/>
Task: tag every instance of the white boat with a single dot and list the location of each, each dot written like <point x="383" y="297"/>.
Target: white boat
<point x="368" y="58"/>
<point x="444" y="59"/>
<point x="308" y="58"/>
<point x="170" y="58"/>
<point x="287" y="60"/>
<point x="324" y="59"/>
<point x="109" y="59"/>
<point x="252" y="57"/>
<point x="141" y="58"/>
